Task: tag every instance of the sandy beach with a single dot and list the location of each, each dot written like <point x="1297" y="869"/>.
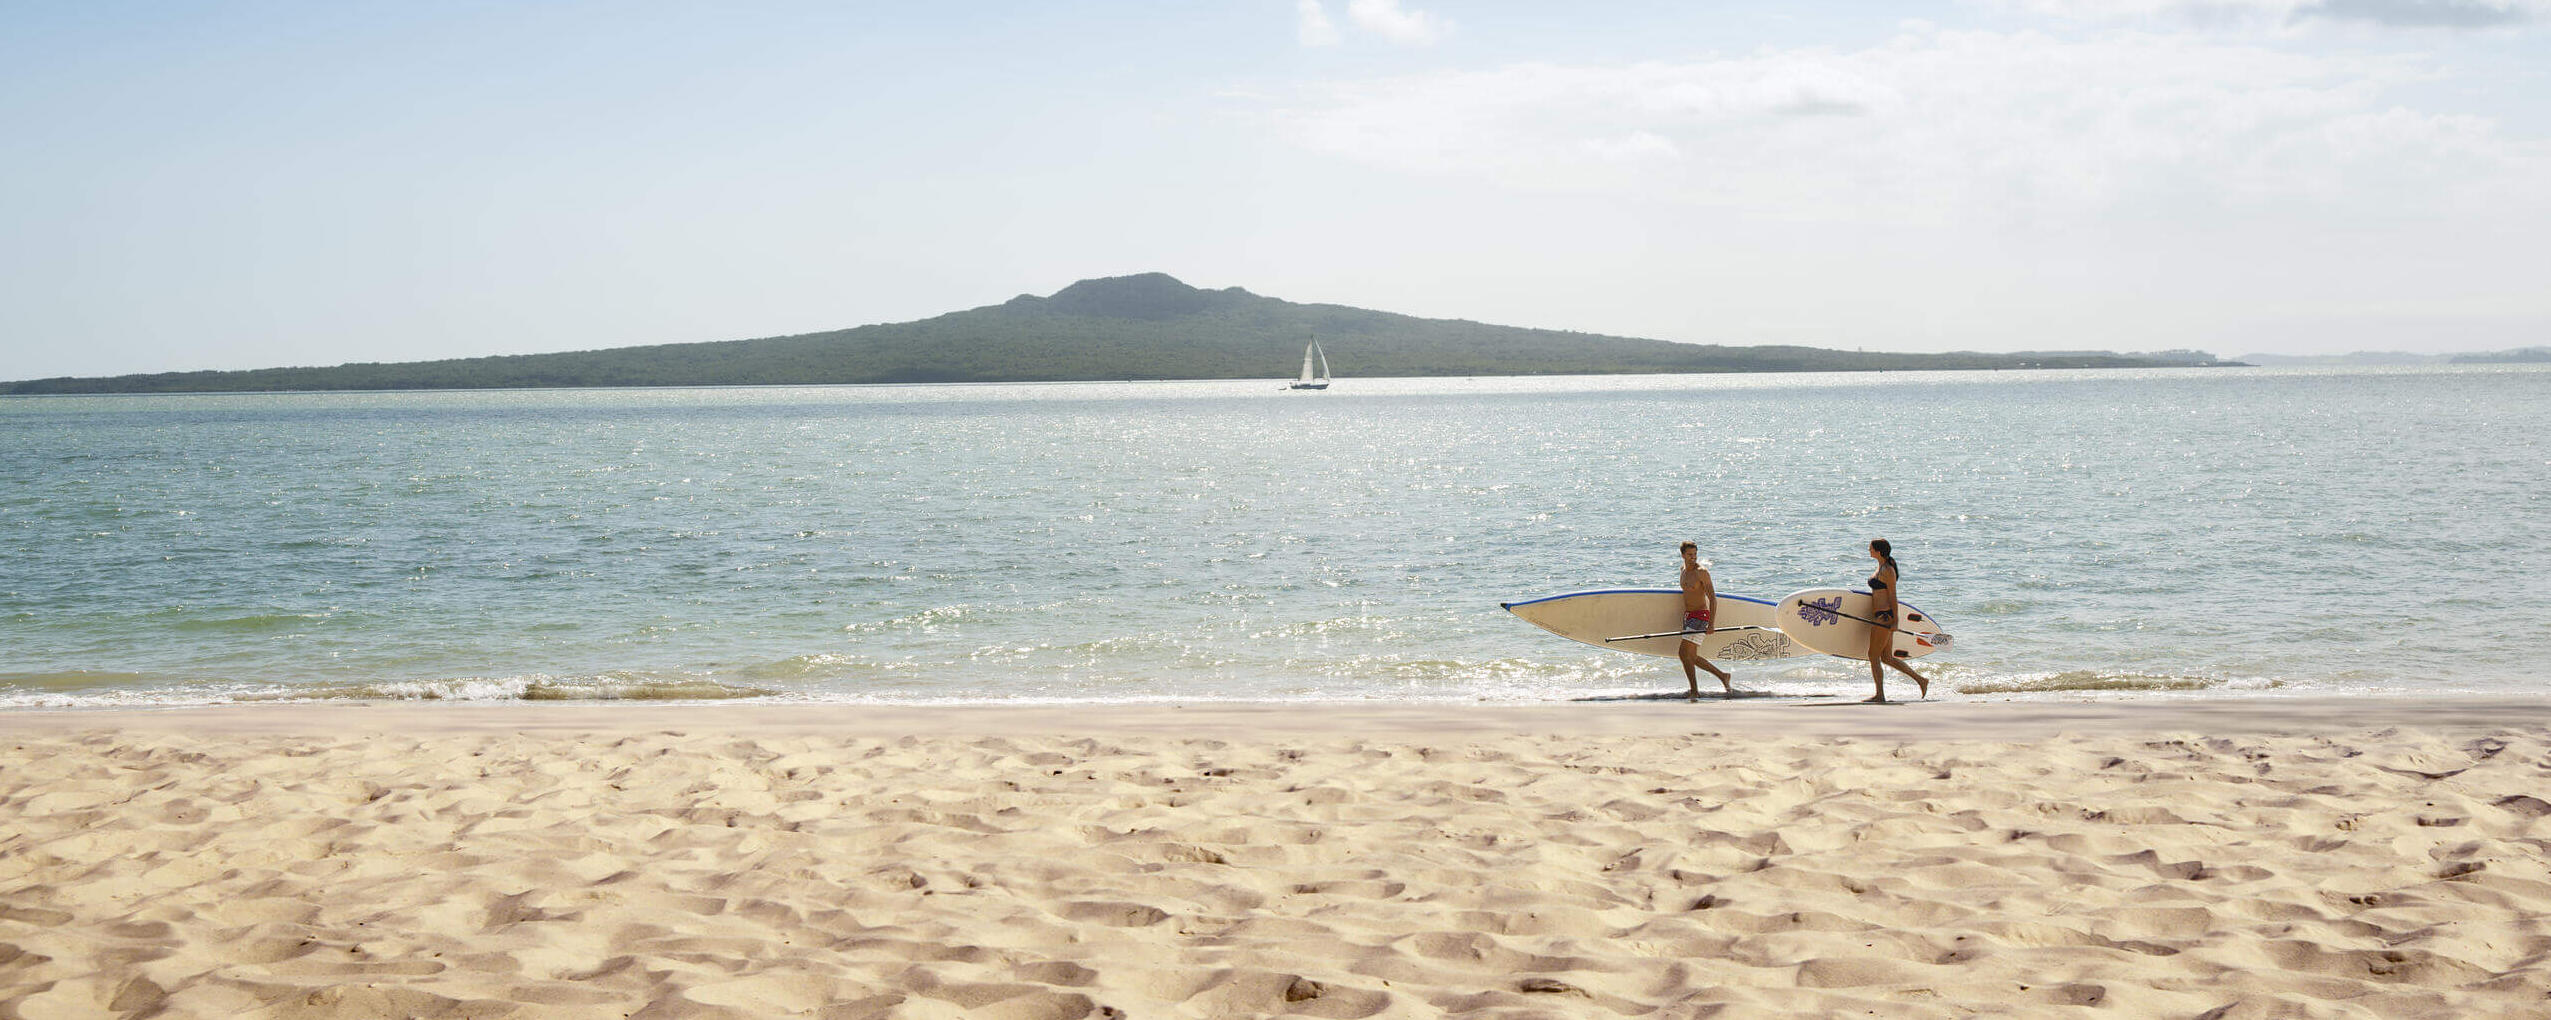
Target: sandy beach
<point x="2354" y="857"/>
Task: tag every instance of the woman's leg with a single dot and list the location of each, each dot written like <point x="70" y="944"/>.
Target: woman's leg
<point x="1923" y="682"/>
<point x="1881" y="641"/>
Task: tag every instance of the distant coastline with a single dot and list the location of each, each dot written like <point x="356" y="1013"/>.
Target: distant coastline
<point x="1149" y="326"/>
<point x="2518" y="356"/>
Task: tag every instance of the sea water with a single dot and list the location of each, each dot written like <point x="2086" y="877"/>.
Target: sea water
<point x="2144" y="534"/>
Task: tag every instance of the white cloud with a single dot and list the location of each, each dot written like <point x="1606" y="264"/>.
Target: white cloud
<point x="1385" y="18"/>
<point x="1633" y="146"/>
<point x="1937" y="126"/>
<point x="2430" y="13"/>
<point x="1312" y="24"/>
<point x="2202" y="12"/>
<point x="2257" y="14"/>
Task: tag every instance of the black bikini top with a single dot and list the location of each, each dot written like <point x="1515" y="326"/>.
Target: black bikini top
<point x="1876" y="580"/>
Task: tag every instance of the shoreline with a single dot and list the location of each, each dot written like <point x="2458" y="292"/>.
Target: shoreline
<point x="1663" y="716"/>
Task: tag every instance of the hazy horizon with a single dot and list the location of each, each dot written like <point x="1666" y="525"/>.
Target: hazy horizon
<point x="293" y="184"/>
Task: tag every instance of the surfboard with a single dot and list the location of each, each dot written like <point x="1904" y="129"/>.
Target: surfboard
<point x="1592" y="616"/>
<point x="1820" y="619"/>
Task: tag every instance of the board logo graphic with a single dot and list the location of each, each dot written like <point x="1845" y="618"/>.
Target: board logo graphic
<point x="1757" y="646"/>
<point x="1819" y="612"/>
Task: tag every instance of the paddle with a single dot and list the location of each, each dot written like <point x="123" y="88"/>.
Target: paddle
<point x="1681" y="633"/>
<point x="1939" y="639"/>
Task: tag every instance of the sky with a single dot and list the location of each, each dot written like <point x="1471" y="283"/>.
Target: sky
<point x="191" y="185"/>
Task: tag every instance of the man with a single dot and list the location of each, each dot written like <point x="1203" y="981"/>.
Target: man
<point x="1700" y="602"/>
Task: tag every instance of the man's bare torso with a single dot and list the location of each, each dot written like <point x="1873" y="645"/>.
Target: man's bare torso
<point x="1696" y="590"/>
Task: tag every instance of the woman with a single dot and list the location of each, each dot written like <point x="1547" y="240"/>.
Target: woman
<point x="1882" y="610"/>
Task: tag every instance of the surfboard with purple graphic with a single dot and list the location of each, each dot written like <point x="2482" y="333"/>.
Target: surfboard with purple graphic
<point x="1832" y="621"/>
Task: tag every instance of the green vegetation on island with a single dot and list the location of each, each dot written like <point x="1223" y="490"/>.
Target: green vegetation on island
<point x="1148" y="326"/>
<point x="2519" y="356"/>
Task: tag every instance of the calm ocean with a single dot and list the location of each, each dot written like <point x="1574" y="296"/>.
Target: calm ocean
<point x="2139" y="534"/>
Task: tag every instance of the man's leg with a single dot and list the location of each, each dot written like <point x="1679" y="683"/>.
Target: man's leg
<point x="1726" y="680"/>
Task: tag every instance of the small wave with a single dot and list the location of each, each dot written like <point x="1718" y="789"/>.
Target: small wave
<point x="821" y="666"/>
<point x="923" y="620"/>
<point x="519" y="688"/>
<point x="677" y="690"/>
<point x="319" y="543"/>
<point x="251" y="623"/>
<point x="2086" y="680"/>
<point x="795" y="667"/>
<point x="1333" y="627"/>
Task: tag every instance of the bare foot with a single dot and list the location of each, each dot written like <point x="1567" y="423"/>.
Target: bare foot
<point x="1876" y="699"/>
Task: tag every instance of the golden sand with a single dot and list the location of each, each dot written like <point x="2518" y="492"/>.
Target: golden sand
<point x="2279" y="859"/>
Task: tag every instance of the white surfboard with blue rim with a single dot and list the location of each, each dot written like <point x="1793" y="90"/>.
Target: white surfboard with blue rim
<point x="1833" y="621"/>
<point x="1745" y="630"/>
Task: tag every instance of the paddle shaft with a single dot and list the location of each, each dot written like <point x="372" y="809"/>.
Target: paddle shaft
<point x="1682" y="633"/>
<point x="1875" y="623"/>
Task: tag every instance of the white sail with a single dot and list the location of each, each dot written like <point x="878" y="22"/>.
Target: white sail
<point x="1313" y="379"/>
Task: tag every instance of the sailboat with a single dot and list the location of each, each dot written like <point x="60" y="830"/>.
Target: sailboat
<point x="1310" y="355"/>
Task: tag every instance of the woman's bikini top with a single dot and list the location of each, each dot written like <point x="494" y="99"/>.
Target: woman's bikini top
<point x="1877" y="581"/>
